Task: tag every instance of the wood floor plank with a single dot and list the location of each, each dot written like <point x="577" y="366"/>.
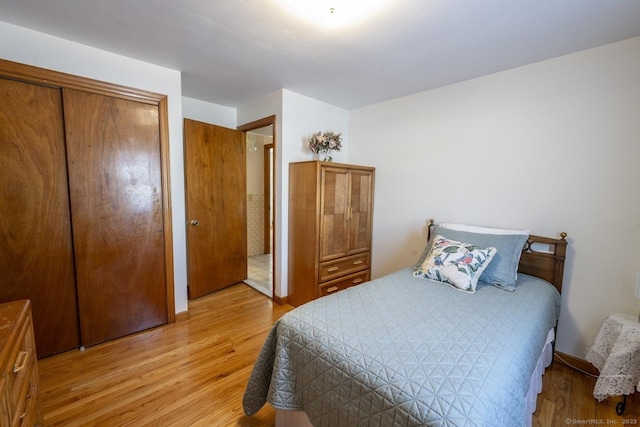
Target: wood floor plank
<point x="544" y="414"/>
<point x="581" y="397"/>
<point x="194" y="372"/>
<point x="178" y="374"/>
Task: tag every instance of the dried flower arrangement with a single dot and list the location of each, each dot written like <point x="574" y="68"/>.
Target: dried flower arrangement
<point x="323" y="143"/>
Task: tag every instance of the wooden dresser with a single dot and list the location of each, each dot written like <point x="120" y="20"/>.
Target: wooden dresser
<point x="19" y="398"/>
<point x="330" y="219"/>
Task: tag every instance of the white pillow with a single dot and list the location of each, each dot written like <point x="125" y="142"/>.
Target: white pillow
<point x="455" y="263"/>
<point x="482" y="230"/>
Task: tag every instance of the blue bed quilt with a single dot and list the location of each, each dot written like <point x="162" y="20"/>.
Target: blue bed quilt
<point x="405" y="351"/>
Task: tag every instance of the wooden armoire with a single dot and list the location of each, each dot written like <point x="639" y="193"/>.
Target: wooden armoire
<point x="85" y="229"/>
<point x="330" y="221"/>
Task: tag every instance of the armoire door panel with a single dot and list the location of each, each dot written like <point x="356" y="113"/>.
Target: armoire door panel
<point x="36" y="254"/>
<point x="115" y="188"/>
<point x="334" y="208"/>
<point x="361" y="215"/>
<point x="215" y="169"/>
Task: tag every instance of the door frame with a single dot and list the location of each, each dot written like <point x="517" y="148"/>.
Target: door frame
<point x="58" y="79"/>
<point x="257" y="124"/>
<point x="268" y="171"/>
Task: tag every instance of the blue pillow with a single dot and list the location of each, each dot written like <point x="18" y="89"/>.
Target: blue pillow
<point x="502" y="271"/>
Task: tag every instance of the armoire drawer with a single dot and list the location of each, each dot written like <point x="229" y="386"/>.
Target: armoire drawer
<point x="343" y="266"/>
<point x="344" y="283"/>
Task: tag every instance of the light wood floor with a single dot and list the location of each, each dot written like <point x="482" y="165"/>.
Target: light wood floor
<point x="193" y="373"/>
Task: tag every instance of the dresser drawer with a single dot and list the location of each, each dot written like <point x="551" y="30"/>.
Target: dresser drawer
<point x="30" y="412"/>
<point x="343" y="266"/>
<point x="4" y="403"/>
<point x="344" y="283"/>
<point x="19" y="373"/>
<point x="19" y="398"/>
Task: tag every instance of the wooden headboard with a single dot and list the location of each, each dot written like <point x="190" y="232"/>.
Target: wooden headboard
<point x="547" y="264"/>
<point x="542" y="257"/>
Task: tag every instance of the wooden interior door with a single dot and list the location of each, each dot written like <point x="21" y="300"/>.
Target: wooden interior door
<point x="36" y="255"/>
<point x="116" y="201"/>
<point x="216" y="187"/>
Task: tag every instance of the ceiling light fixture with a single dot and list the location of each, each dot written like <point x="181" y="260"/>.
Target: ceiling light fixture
<point x="252" y="144"/>
<point x="334" y="13"/>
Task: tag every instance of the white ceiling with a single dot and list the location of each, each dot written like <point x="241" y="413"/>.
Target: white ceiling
<point x="232" y="52"/>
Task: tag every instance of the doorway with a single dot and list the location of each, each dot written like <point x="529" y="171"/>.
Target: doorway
<point x="260" y="140"/>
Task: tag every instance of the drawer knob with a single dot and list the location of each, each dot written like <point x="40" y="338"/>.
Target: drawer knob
<point x="332" y="269"/>
<point x="356" y="262"/>
<point x="21" y="361"/>
<point x="356" y="281"/>
<point x="332" y="289"/>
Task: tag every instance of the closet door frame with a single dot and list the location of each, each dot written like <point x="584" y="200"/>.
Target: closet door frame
<point x="42" y="76"/>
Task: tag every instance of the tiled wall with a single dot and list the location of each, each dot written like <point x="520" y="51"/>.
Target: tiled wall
<point x="255" y="224"/>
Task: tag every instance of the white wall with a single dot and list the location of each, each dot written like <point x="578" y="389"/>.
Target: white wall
<point x="41" y="50"/>
<point x="302" y="117"/>
<point x="297" y="118"/>
<point x="208" y="112"/>
<point x="548" y="147"/>
<point x="255" y="164"/>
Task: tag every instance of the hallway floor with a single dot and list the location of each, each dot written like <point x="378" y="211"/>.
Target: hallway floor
<point x="260" y="273"/>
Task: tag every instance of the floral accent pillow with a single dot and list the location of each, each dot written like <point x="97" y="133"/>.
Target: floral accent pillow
<point x="456" y="263"/>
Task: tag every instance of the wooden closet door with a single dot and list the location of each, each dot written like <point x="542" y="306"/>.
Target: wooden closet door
<point x="116" y="204"/>
<point x="36" y="255"/>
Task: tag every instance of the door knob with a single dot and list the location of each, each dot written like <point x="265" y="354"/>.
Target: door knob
<point x="195" y="222"/>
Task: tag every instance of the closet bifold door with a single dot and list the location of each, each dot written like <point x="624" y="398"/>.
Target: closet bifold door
<point x="115" y="189"/>
<point x="36" y="255"/>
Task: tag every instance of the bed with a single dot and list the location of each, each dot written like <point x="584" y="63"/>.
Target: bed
<point x="408" y="350"/>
